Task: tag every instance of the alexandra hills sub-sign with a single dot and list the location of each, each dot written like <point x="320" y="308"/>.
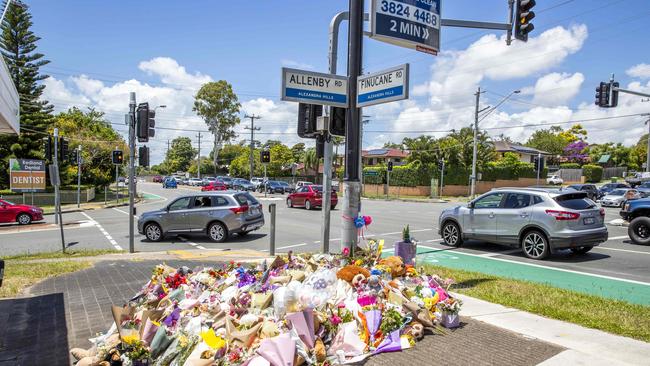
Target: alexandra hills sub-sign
<point x="314" y="88"/>
<point x="384" y="86"/>
<point x="27" y="175"/>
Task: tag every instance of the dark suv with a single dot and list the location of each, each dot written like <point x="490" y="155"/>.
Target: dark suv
<point x="590" y="189"/>
<point x="637" y="212"/>
<point x="216" y="214"/>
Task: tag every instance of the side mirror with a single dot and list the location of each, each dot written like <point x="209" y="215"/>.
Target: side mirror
<point x="470" y="205"/>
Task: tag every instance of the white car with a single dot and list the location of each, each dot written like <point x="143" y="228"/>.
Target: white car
<point x="301" y="183"/>
<point x="617" y="197"/>
<point x="195" y="182"/>
<point x="257" y="181"/>
<point x="555" y="180"/>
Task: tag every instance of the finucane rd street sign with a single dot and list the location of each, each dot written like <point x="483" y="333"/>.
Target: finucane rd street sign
<point x="314" y="88"/>
<point x="384" y="86"/>
<point x="412" y="24"/>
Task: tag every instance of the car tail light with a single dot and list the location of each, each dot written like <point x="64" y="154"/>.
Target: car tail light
<point x="563" y="215"/>
<point x="602" y="212"/>
<point x="239" y="210"/>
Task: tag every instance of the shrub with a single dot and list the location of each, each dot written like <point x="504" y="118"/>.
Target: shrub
<point x="569" y="166"/>
<point x="592" y="173"/>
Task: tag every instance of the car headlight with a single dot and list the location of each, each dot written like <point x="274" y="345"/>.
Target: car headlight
<point x="627" y="207"/>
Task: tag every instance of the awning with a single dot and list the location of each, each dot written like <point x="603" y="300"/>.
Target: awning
<point x="9" y="102"/>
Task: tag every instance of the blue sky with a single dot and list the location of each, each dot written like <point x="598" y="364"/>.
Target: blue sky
<point x="164" y="50"/>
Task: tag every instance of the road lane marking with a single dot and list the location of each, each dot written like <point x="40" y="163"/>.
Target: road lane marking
<point x="104" y="232"/>
<point x="540" y="266"/>
<point x="618" y="237"/>
<point x="622" y="250"/>
<point x="124" y="212"/>
<point x="286" y="247"/>
<point x="192" y="243"/>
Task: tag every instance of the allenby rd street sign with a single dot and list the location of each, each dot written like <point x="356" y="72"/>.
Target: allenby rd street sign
<point x="412" y="24"/>
<point x="314" y="88"/>
<point x="384" y="86"/>
<point x="26" y="175"/>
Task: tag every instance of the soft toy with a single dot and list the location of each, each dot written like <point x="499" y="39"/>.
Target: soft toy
<point x="395" y="264"/>
<point x="352" y="273"/>
<point x="416" y="330"/>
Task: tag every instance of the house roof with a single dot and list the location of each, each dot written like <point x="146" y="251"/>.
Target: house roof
<point x="384" y="153"/>
<point x="504" y="146"/>
<point x="604" y="159"/>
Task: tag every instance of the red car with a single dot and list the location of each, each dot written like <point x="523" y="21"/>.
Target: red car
<point x="310" y="196"/>
<point x="157" y="179"/>
<point x="22" y="214"/>
<point x="214" y="186"/>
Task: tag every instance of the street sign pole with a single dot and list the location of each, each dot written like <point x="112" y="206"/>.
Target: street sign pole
<point x="78" y="176"/>
<point x="132" y="171"/>
<point x="442" y="178"/>
<point x="117" y="184"/>
<point x="387" y="183"/>
<point x="57" y="192"/>
<point x="352" y="185"/>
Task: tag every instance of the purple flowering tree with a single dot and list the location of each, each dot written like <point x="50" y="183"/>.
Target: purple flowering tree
<point x="576" y="152"/>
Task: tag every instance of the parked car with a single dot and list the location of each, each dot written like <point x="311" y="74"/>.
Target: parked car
<point x="608" y="187"/>
<point x="157" y="179"/>
<point x="637" y="178"/>
<point x="590" y="189"/>
<point x="310" y="196"/>
<point x="256" y="181"/>
<point x="287" y="187"/>
<point x="536" y="220"/>
<point x="208" y="180"/>
<point x="301" y="183"/>
<point x="170" y="183"/>
<point x="218" y="215"/>
<point x="554" y="180"/>
<point x="22" y="214"/>
<point x="179" y="180"/>
<point x="637" y="212"/>
<point x="185" y="181"/>
<point x="214" y="186"/>
<point x="227" y="181"/>
<point x="617" y="197"/>
<point x="242" y="184"/>
<point x="644" y="189"/>
<point x="271" y="186"/>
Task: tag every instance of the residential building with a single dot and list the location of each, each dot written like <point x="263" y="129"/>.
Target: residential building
<point x="383" y="156"/>
<point x="9" y="102"/>
<point x="526" y="154"/>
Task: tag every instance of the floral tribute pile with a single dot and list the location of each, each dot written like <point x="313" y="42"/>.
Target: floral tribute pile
<point x="298" y="310"/>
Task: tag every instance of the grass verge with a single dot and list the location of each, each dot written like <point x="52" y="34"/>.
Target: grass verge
<point x="19" y="276"/>
<point x="60" y="255"/>
<point x="613" y="316"/>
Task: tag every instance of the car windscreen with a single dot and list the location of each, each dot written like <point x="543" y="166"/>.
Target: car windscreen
<point x="617" y="192"/>
<point x="317" y="188"/>
<point x="284" y="184"/>
<point x="273" y="183"/>
<point x="246" y="199"/>
<point x="575" y="201"/>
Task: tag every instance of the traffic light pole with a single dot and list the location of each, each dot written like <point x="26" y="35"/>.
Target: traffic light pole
<point x="58" y="218"/>
<point x="78" y="176"/>
<point x="131" y="171"/>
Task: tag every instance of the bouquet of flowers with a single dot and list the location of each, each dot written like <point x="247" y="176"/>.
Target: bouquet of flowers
<point x="451" y="305"/>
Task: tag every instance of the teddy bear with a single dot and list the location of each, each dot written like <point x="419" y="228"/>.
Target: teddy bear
<point x="353" y="274"/>
<point x="395" y="264"/>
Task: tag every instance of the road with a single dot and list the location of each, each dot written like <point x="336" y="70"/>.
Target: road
<point x="299" y="230"/>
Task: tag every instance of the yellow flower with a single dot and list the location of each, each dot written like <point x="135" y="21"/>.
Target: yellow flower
<point x="131" y="338"/>
<point x="358" y="262"/>
<point x="212" y="340"/>
<point x="381" y="246"/>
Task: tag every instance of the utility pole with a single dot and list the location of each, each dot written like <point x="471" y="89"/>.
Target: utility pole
<point x="647" y="158"/>
<point x="252" y="145"/>
<point x="131" y="171"/>
<point x="78" y="176"/>
<point x="352" y="186"/>
<point x="117" y="183"/>
<point x="442" y="176"/>
<point x="475" y="143"/>
<point x="56" y="187"/>
<point x="198" y="164"/>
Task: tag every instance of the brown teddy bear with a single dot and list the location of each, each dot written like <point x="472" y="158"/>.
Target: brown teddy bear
<point x="395" y="264"/>
<point x="352" y="274"/>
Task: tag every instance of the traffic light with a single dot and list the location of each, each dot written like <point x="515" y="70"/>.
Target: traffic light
<point x="524" y="15"/>
<point x="143" y="156"/>
<point x="441" y="164"/>
<point x="118" y="157"/>
<point x="602" y="95"/>
<point x="74" y="156"/>
<point x="390" y="166"/>
<point x="265" y="156"/>
<point x="145" y="122"/>
<point x="613" y="102"/>
<point x="307" y="115"/>
<point x="320" y="147"/>
<point x="63" y="149"/>
<point x="538" y="163"/>
<point x="47" y="142"/>
<point x="337" y="121"/>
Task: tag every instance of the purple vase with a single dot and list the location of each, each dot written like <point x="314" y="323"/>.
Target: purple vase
<point x="406" y="251"/>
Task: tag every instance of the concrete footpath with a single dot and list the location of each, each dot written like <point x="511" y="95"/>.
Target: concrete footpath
<point x="65" y="311"/>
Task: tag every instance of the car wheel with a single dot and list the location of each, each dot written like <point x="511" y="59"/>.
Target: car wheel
<point x="24" y="219"/>
<point x="639" y="230"/>
<point x="218" y="232"/>
<point x="308" y="205"/>
<point x="451" y="234"/>
<point x="535" y="245"/>
<point x="153" y="232"/>
<point x="289" y="203"/>
<point x="581" y="250"/>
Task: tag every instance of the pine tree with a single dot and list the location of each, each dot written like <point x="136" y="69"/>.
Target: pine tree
<point x="18" y="48"/>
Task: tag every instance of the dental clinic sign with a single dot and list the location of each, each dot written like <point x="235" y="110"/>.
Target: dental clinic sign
<point x="27" y="175"/>
<point x="314" y="88"/>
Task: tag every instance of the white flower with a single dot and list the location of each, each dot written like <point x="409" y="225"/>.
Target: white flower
<point x="248" y="320"/>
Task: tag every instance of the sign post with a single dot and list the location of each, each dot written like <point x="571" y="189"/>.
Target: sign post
<point x="407" y="23"/>
<point x="384" y="86"/>
<point x="314" y="88"/>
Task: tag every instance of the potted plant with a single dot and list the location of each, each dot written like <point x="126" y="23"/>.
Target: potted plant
<point x="139" y="354"/>
<point x="407" y="248"/>
<point x="449" y="310"/>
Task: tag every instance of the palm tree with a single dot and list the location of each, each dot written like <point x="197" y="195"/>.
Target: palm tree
<point x="310" y="161"/>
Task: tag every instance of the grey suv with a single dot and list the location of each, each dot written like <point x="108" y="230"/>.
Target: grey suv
<point x="536" y="220"/>
<point x="218" y="214"/>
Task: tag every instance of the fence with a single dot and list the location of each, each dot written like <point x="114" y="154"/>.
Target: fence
<point x="570" y="175"/>
<point x="47" y="199"/>
<point x="447" y="190"/>
<point x="614" y="172"/>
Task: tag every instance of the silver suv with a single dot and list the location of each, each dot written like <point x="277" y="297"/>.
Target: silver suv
<point x="218" y="214"/>
<point x="534" y="219"/>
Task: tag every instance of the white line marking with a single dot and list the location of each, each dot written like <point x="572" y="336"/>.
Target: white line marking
<point x="433" y="240"/>
<point x="201" y="247"/>
<point x="618" y="237"/>
<point x="124" y="212"/>
<point x="101" y="229"/>
<point x="192" y="243"/>
<point x="623" y="250"/>
<point x="545" y="267"/>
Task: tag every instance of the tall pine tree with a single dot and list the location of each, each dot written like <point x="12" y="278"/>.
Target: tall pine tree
<point x="18" y="48"/>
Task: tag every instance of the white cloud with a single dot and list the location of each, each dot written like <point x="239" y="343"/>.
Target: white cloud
<point x="170" y="72"/>
<point x="641" y="71"/>
<point x="296" y="64"/>
<point x="556" y="88"/>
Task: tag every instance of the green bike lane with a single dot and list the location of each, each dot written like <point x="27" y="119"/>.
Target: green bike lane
<point x="631" y="291"/>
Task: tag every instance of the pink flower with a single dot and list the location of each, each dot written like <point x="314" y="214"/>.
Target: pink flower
<point x="341" y="306"/>
<point x="336" y="320"/>
<point x="346" y="251"/>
